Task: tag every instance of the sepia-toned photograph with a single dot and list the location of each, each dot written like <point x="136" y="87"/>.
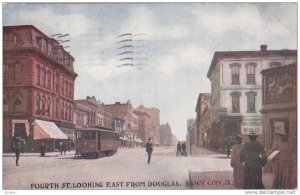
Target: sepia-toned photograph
<point x="149" y="96"/>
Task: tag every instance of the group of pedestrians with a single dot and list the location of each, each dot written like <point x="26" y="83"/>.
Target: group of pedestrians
<point x="181" y="148"/>
<point x="248" y="160"/>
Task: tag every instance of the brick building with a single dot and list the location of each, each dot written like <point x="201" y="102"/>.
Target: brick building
<point x="125" y="112"/>
<point x="144" y="127"/>
<point x="154" y="114"/>
<point x="38" y="83"/>
<point x="90" y="112"/>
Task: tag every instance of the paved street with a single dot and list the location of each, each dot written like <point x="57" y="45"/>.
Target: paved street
<point x="125" y="170"/>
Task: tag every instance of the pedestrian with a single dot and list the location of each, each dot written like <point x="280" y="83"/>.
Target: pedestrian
<point x="149" y="149"/>
<point x="254" y="158"/>
<point x="60" y="147"/>
<point x="285" y="164"/>
<point x="17" y="150"/>
<point x="228" y="149"/>
<point x="178" y="149"/>
<point x="183" y="146"/>
<point x="64" y="147"/>
<point x="43" y="148"/>
<point x="238" y="168"/>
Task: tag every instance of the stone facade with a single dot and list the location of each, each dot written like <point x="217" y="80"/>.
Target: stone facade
<point x="236" y="91"/>
<point x="38" y="81"/>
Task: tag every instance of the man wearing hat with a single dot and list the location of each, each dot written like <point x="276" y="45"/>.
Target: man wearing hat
<point x="149" y="149"/>
<point x="238" y="168"/>
<point x="254" y="158"/>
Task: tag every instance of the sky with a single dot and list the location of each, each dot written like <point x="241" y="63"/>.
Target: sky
<point x="178" y="44"/>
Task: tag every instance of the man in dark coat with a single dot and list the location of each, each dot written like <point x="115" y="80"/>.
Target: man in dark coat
<point x="43" y="147"/>
<point x="178" y="149"/>
<point x="254" y="157"/>
<point x="183" y="146"/>
<point x="17" y="150"/>
<point x="149" y="149"/>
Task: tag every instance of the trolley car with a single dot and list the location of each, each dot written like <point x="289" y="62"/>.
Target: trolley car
<point x="96" y="142"/>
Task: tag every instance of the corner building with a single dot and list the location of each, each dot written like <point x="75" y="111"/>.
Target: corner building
<point x="38" y="83"/>
<point x="236" y="91"/>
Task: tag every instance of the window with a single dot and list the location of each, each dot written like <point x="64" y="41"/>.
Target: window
<point x="250" y="68"/>
<point x="17" y="72"/>
<point x="89" y="135"/>
<point x="66" y="111"/>
<point x="48" y="106"/>
<point x="44" y="77"/>
<point x="5" y="72"/>
<point x="275" y="64"/>
<point x="235" y="74"/>
<point x="48" y="79"/>
<point x="38" y="75"/>
<point x="37" y="104"/>
<point x="70" y="112"/>
<point x="43" y="105"/>
<point x="79" y="134"/>
<point x="62" y="110"/>
<point x="251" y="101"/>
<point x="62" y="86"/>
<point x="235" y="101"/>
<point x="5" y="103"/>
<point x="17" y="104"/>
<point x="20" y="130"/>
<point x="57" y="84"/>
<point x="70" y="90"/>
<point x="9" y="40"/>
<point x="66" y="87"/>
<point x="56" y="108"/>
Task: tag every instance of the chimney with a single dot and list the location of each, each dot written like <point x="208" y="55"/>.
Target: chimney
<point x="263" y="47"/>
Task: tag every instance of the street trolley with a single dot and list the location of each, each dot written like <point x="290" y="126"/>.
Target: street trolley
<point x="96" y="142"/>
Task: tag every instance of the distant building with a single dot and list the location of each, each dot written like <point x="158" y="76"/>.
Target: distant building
<point x="191" y="138"/>
<point x="203" y="120"/>
<point x="174" y="140"/>
<point x="38" y="83"/>
<point x="144" y="126"/>
<point x="165" y="134"/>
<point x="236" y="91"/>
<point x="154" y="114"/>
<point x="90" y="112"/>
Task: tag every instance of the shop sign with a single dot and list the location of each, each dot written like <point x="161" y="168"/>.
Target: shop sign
<point x="251" y="126"/>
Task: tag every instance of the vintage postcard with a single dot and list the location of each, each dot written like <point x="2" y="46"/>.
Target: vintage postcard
<point x="149" y="96"/>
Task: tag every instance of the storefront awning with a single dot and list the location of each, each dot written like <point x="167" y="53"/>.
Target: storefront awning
<point x="47" y="130"/>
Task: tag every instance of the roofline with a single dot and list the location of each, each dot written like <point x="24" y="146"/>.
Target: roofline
<point x="227" y="54"/>
<point x="200" y="94"/>
<point x="289" y="66"/>
<point x="38" y="30"/>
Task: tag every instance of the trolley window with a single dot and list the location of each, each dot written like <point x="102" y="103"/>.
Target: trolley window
<point x="79" y="134"/>
<point x="89" y="135"/>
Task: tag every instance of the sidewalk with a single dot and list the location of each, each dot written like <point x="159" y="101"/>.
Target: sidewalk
<point x="48" y="154"/>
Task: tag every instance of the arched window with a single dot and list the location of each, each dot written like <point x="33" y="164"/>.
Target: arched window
<point x="37" y="104"/>
<point x="70" y="112"/>
<point x="66" y="111"/>
<point x="70" y="90"/>
<point x="44" y="77"/>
